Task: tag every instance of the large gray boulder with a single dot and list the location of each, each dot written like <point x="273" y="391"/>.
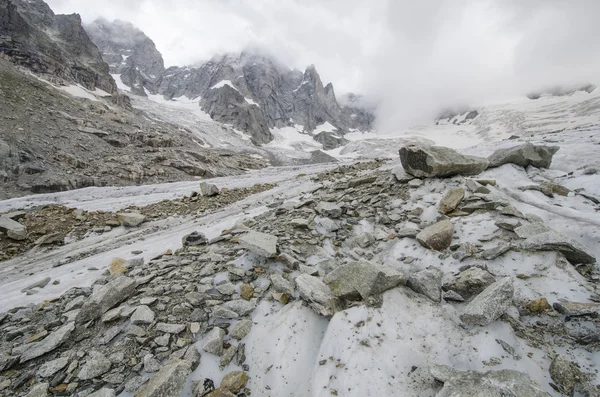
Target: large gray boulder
<point x="168" y="382"/>
<point x="524" y="155"/>
<point x="489" y="305"/>
<point x="438" y="236"/>
<point x="362" y="280"/>
<point x="105" y="298"/>
<point x="13" y="229"/>
<point x="318" y="295"/>
<point x="208" y="189"/>
<point x="501" y="383"/>
<point x="470" y="282"/>
<point x="553" y="241"/>
<point x="260" y="243"/>
<point x="437" y="161"/>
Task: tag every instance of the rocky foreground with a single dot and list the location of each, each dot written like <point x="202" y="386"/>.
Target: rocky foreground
<point x="428" y="280"/>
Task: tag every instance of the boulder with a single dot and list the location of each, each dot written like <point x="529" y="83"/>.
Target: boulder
<point x="194" y="238"/>
<point x="49" y="343"/>
<point x="574" y="309"/>
<point x="437" y="161"/>
<point x="489" y="305"/>
<point x="524" y="155"/>
<point x="451" y="200"/>
<point x="438" y="236"/>
<point x="208" y="189"/>
<point x="38" y="390"/>
<point x="50" y="368"/>
<point x="105" y="298"/>
<point x="142" y="315"/>
<point x="97" y="364"/>
<point x="318" y="295"/>
<point x="553" y="241"/>
<point x="427" y="282"/>
<point x="362" y="280"/>
<point x="213" y="342"/>
<point x="241" y="329"/>
<point x="501" y="383"/>
<point x="13" y="229"/>
<point x="131" y="219"/>
<point x="330" y="210"/>
<point x="470" y="282"/>
<point x="260" y="243"/>
<point x="566" y="374"/>
<point x="168" y="382"/>
<point x="234" y="381"/>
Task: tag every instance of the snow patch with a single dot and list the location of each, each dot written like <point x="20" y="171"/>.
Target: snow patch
<point x="223" y="83"/>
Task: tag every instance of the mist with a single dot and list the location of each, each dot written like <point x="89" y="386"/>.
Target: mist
<point x="412" y="58"/>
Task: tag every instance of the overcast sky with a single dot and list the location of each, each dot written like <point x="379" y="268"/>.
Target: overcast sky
<point x="415" y="56"/>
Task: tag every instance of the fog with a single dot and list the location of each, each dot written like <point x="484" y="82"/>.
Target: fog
<point x="412" y="58"/>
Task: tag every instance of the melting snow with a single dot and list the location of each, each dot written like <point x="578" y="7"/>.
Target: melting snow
<point x="223" y="83"/>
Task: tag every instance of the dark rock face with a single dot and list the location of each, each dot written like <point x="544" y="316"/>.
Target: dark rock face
<point x="130" y="53"/>
<point x="33" y="37"/>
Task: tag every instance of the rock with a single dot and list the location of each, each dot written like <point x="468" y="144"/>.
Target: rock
<point x="234" y="381"/>
<point x="452" y="296"/>
<point x="471" y="281"/>
<point x="437" y="161"/>
<point x="508" y="224"/>
<point x="414" y="183"/>
<point x="49" y="239"/>
<point x="495" y="252"/>
<point x="227" y="356"/>
<point x="451" y="200"/>
<point x="38" y="390"/>
<point x="401" y="175"/>
<point x="104" y="392"/>
<point x="553" y="241"/>
<point x="538" y="306"/>
<point x="529" y="230"/>
<point x="151" y="364"/>
<point x="329" y="210"/>
<point x="476" y="187"/>
<point x="194" y="238"/>
<point x="318" y="295"/>
<point x="51" y="342"/>
<point x="213" y="342"/>
<point x="130" y="219"/>
<point x="509" y="210"/>
<point x="438" y="236"/>
<point x="168" y="382"/>
<point x="208" y="189"/>
<point x="573" y="309"/>
<point x="240" y="306"/>
<point x="203" y="388"/>
<point x="50" y="368"/>
<point x="220" y="393"/>
<point x="527" y="154"/>
<point x="280" y="284"/>
<point x="142" y="315"/>
<point x="300" y="223"/>
<point x="170" y="328"/>
<point x="501" y="383"/>
<point x="241" y="329"/>
<point x="362" y="180"/>
<point x="105" y="298"/>
<point x="39" y="284"/>
<point x="489" y="305"/>
<point x="260" y="243"/>
<point x="116" y="266"/>
<point x="97" y="364"/>
<point x="427" y="282"/>
<point x="566" y="374"/>
<point x="13" y="229"/>
<point x="362" y="280"/>
<point x="246" y="291"/>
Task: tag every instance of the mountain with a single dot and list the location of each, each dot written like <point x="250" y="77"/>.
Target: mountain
<point x="129" y="53"/>
<point x="252" y="92"/>
<point x="32" y="36"/>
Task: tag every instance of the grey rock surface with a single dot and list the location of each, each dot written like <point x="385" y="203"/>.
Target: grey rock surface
<point x="451" y="200"/>
<point x="553" y="241"/>
<point x="13" y="229"/>
<point x="105" y="298"/>
<point x="524" y="155"/>
<point x="490" y="304"/>
<point x="208" y="189"/>
<point x="260" y="243"/>
<point x="97" y="364"/>
<point x="427" y="282"/>
<point x="470" y="282"/>
<point x="436" y="161"/>
<point x="214" y="341"/>
<point x="168" y="382"/>
<point x="318" y="295"/>
<point x="438" y="236"/>
<point x="362" y="280"/>
<point x="49" y="343"/>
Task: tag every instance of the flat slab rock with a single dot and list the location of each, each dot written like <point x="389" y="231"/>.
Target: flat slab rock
<point x="105" y="298"/>
<point x="260" y="243"/>
<point x="490" y="304"/>
<point x="318" y="295"/>
<point x="438" y="161"/>
<point x="572" y="309"/>
<point x="553" y="241"/>
<point x="169" y="381"/>
<point x="501" y="383"/>
<point x="524" y="155"/>
<point x="48" y="344"/>
<point x="13" y="229"/>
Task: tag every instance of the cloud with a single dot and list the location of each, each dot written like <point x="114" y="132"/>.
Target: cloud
<point x="413" y="57"/>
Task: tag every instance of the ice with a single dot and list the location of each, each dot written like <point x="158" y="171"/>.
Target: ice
<point x="293" y="138"/>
